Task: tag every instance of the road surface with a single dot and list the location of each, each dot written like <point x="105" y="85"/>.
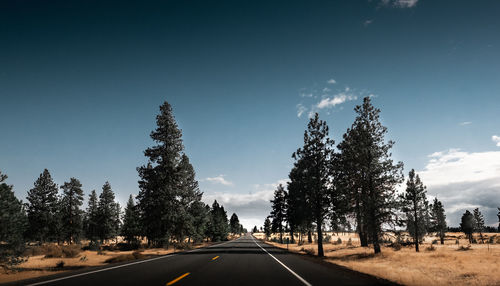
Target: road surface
<point x="244" y="261"/>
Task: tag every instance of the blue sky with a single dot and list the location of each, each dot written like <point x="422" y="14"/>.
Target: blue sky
<point x="81" y="82"/>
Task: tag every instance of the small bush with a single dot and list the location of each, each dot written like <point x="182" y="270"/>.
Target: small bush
<point x="183" y="245"/>
<point x="71" y="251"/>
<point x="300" y="243"/>
<point x="60" y="264"/>
<point x="83" y="258"/>
<point x="339" y="241"/>
<point x="327" y="238"/>
<point x="307" y="251"/>
<point x="430" y="248"/>
<point x="93" y="246"/>
<point x="53" y="251"/>
<point x="349" y="242"/>
<point x="457" y="241"/>
<point x="396" y="246"/>
<point x="464" y="248"/>
<point x="435" y="241"/>
<point x="125" y="257"/>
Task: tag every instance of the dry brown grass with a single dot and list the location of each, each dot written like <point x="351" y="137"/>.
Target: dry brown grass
<point x="41" y="265"/>
<point x="442" y="266"/>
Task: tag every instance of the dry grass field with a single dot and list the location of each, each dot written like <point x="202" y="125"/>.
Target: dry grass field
<point x="41" y="265"/>
<point x="441" y="265"/>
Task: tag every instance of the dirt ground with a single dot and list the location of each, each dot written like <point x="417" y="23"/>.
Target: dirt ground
<point x="36" y="266"/>
<point x="443" y="265"/>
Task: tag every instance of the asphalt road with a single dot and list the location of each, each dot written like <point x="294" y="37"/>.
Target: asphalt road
<point x="244" y="261"/>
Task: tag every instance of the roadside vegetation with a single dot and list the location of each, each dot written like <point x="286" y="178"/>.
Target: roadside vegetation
<point x="456" y="262"/>
<point x="166" y="215"/>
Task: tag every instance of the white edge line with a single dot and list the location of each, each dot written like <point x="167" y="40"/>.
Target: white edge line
<point x="118" y="266"/>
<point x="282" y="264"/>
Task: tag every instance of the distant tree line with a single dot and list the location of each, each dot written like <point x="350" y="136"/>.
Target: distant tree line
<point x="353" y="182"/>
<point x="167" y="209"/>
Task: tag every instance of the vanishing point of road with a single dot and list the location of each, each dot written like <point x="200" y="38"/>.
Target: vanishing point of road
<point x="244" y="261"/>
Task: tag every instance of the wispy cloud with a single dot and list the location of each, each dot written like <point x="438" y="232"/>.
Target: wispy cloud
<point x="367" y="22"/>
<point x="219" y="180"/>
<point x="331" y="81"/>
<point x="465" y="123"/>
<point x="335" y="100"/>
<point x="300" y="110"/>
<point x="306" y="95"/>
<point x="496" y="139"/>
<point x="400" y="3"/>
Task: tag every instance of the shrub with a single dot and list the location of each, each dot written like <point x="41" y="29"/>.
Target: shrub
<point x="339" y="241"/>
<point x="430" y="248"/>
<point x="71" y="251"/>
<point x="464" y="248"/>
<point x="349" y="242"/>
<point x="457" y="241"/>
<point x="327" y="238"/>
<point x="60" y="264"/>
<point x="125" y="257"/>
<point x="83" y="258"/>
<point x="435" y="241"/>
<point x="53" y="251"/>
<point x="300" y="243"/>
<point x="396" y="246"/>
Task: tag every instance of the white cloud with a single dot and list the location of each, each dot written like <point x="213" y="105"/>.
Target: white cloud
<point x="496" y="139"/>
<point x="300" y="110"/>
<point x="465" y="123"/>
<point x="251" y="208"/>
<point x="463" y="180"/>
<point x="326" y="89"/>
<point x="331" y="81"/>
<point x="306" y="95"/>
<point x="368" y="22"/>
<point x="400" y="3"/>
<point x="219" y="180"/>
<point x="335" y="100"/>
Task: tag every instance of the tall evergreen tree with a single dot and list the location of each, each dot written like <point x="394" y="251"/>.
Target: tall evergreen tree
<point x="479" y="223"/>
<point x="234" y="224"/>
<point x="13" y="222"/>
<point x="498" y="215"/>
<point x="438" y="219"/>
<point x="278" y="212"/>
<point x="415" y="206"/>
<point x="131" y="228"/>
<point x="159" y="183"/>
<point x="186" y="193"/>
<point x="70" y="213"/>
<point x="218" y="226"/>
<point x="106" y="211"/>
<point x="42" y="208"/>
<point x="370" y="175"/>
<point x="91" y="221"/>
<point x="200" y="213"/>
<point x="468" y="225"/>
<point x="317" y="156"/>
<point x="255" y="230"/>
<point x="267" y="228"/>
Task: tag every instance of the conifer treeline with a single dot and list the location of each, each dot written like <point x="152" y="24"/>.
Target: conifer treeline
<point x="352" y="183"/>
<point x="168" y="207"/>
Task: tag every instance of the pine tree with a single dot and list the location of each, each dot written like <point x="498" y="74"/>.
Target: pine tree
<point x="479" y="223"/>
<point x="278" y="212"/>
<point x="117" y="220"/>
<point x="71" y="214"/>
<point x="415" y="206"/>
<point x="316" y="156"/>
<point x="159" y="183"/>
<point x="267" y="228"/>
<point x="91" y="221"/>
<point x="200" y="213"/>
<point x="467" y="225"/>
<point x="438" y="219"/>
<point x="131" y="228"/>
<point x="498" y="215"/>
<point x="42" y="208"/>
<point x="298" y="211"/>
<point x="370" y="175"/>
<point x="13" y="223"/>
<point x="234" y="224"/>
<point x="106" y="211"/>
<point x="218" y="227"/>
<point x="255" y="230"/>
<point x="187" y="193"/>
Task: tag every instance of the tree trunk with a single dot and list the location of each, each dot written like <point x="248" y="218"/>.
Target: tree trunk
<point x="320" y="240"/>
<point x="441" y="236"/>
<point x="309" y="236"/>
<point x="416" y="228"/>
<point x="292" y="237"/>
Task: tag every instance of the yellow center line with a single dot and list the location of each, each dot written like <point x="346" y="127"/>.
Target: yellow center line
<point x="178" y="278"/>
<point x="215" y="257"/>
